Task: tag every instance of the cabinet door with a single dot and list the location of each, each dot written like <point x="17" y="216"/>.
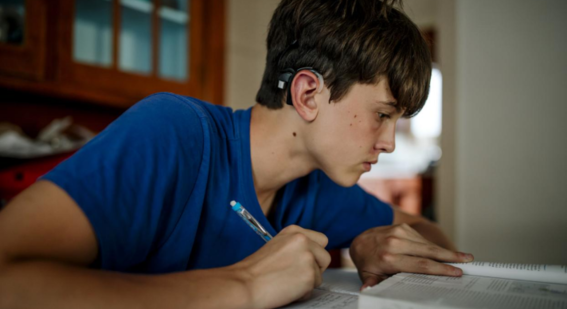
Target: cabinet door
<point x="22" y="38"/>
<point x="132" y="48"/>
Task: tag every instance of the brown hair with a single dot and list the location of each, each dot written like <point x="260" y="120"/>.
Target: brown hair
<point x="348" y="41"/>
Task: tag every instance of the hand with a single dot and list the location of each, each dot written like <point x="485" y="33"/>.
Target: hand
<point x="383" y="251"/>
<point x="285" y="269"/>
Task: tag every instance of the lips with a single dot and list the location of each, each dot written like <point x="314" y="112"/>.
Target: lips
<point x="368" y="165"/>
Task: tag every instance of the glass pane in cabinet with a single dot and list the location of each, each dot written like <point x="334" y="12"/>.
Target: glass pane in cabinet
<point x="173" y="46"/>
<point x="12" y="21"/>
<point x="92" y="32"/>
<point x="135" y="49"/>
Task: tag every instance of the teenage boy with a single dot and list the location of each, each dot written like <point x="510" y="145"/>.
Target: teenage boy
<point x="140" y="216"/>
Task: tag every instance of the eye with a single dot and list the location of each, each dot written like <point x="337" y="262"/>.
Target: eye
<point x="383" y="116"/>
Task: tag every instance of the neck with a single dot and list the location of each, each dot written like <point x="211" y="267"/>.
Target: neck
<point x="278" y="152"/>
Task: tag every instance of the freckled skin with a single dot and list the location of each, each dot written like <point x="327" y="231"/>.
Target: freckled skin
<point x="294" y="134"/>
<point x="354" y="116"/>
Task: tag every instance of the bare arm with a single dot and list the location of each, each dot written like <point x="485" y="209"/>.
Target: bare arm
<point x="46" y="243"/>
<point x="47" y="284"/>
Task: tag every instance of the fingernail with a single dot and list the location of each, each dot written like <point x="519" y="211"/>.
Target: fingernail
<point x="457" y="272"/>
<point x="466" y="257"/>
<point x="364" y="287"/>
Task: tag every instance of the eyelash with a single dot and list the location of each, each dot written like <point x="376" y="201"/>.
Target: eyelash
<point x="382" y="116"/>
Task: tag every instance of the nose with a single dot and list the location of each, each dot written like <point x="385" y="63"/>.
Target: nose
<point x="386" y="141"/>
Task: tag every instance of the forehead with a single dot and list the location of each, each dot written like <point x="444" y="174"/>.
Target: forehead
<point x="377" y="93"/>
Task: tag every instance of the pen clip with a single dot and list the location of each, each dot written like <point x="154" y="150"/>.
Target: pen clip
<point x="255" y="223"/>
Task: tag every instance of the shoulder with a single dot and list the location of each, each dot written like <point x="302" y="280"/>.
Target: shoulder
<point x="187" y="111"/>
<point x="163" y="124"/>
<point x="166" y="106"/>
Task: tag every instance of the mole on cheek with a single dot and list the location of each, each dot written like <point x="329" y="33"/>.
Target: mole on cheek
<point x="354" y="116"/>
<point x="351" y="124"/>
<point x="294" y="134"/>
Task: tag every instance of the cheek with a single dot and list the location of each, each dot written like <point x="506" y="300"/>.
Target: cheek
<point x="346" y="133"/>
<point x="361" y="132"/>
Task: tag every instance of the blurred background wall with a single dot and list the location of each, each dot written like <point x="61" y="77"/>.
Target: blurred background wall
<point x="502" y="187"/>
<point x="247" y="28"/>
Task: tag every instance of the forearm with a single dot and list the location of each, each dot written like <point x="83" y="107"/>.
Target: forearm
<point x="42" y="284"/>
<point x="433" y="233"/>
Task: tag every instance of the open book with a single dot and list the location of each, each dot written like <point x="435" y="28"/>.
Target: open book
<point x="483" y="285"/>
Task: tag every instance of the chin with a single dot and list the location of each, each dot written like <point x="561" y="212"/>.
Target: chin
<point x="346" y="180"/>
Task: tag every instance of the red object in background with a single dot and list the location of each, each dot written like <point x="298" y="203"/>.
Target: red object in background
<point x="335" y="258"/>
<point x="14" y="180"/>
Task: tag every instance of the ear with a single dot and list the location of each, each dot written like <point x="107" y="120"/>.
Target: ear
<point x="304" y="86"/>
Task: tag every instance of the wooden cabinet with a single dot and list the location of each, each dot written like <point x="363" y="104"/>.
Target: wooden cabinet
<point x="115" y="52"/>
<point x="22" y="39"/>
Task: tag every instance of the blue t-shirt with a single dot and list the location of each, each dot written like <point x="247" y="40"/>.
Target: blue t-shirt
<point x="156" y="186"/>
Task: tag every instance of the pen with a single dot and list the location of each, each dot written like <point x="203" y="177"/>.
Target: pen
<point x="253" y="223"/>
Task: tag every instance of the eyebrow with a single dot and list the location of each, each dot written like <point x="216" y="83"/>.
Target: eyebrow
<point x="393" y="104"/>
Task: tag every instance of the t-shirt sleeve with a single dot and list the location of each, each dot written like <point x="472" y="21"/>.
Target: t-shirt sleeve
<point x="133" y="179"/>
<point x="343" y="213"/>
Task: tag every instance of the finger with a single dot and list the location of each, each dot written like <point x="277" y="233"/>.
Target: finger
<point x="305" y="297"/>
<point x="427" y="250"/>
<point x="315" y="236"/>
<point x="405" y="231"/>
<point x="318" y="276"/>
<point x="369" y="279"/>
<point x="322" y="256"/>
<point x="314" y="251"/>
<point x="419" y="265"/>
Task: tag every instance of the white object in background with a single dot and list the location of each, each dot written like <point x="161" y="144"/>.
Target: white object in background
<point x="427" y="124"/>
<point x="60" y="136"/>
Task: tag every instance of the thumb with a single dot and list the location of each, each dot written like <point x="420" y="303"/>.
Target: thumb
<point x="370" y="279"/>
<point x="305" y="297"/>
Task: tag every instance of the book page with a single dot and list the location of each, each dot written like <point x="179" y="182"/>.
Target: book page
<point x="340" y="289"/>
<point x="321" y="299"/>
<point x="531" y="272"/>
<point x="341" y="280"/>
<point x="425" y="291"/>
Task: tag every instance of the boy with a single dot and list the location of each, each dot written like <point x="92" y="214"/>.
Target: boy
<point x="140" y="216"/>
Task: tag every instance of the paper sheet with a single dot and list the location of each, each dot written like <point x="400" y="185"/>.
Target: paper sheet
<point x="424" y="291"/>
<point x="531" y="272"/>
<point x="341" y="280"/>
<point x="340" y="289"/>
<point x="327" y="300"/>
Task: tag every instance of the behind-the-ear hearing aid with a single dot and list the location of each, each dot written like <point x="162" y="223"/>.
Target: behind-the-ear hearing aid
<point x="287" y="76"/>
